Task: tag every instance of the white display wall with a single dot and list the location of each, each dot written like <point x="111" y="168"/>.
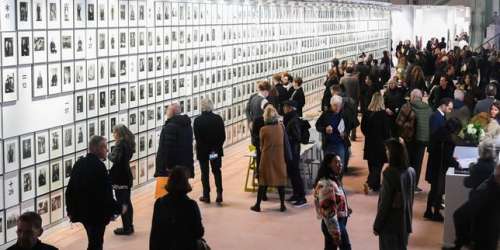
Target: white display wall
<point x="71" y="69"/>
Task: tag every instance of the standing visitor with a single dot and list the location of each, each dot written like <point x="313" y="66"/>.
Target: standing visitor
<point x="350" y="83"/>
<point x="485" y="104"/>
<point x="281" y="90"/>
<point x="121" y="175"/>
<point x="89" y="195"/>
<point x="331" y="203"/>
<point x="29" y="229"/>
<point x="256" y="103"/>
<point x="296" y="94"/>
<point x="272" y="170"/>
<point x="385" y="66"/>
<point x="210" y="135"/>
<point x="441" y="148"/>
<point x="394" y="98"/>
<point x="293" y="130"/>
<point x="376" y="128"/>
<point x="332" y="79"/>
<point x="176" y="218"/>
<point x="393" y="223"/>
<point x="438" y="118"/>
<point x="444" y="90"/>
<point x="175" y="147"/>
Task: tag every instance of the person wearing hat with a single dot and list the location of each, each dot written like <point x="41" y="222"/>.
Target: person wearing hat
<point x="293" y="129"/>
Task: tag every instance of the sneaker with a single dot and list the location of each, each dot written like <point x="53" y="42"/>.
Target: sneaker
<point x="300" y="203"/>
<point x="205" y="199"/>
<point x="292" y="198"/>
<point x="418" y="190"/>
<point x="121" y="231"/>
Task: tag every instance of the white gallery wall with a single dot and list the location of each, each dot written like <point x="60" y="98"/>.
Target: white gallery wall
<point x="411" y="21"/>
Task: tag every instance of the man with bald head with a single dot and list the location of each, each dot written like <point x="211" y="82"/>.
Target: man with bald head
<point x="175" y="147"/>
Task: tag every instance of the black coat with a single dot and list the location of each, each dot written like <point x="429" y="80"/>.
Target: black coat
<point x="438" y="93"/>
<point x="441" y="148"/>
<point x="376" y="128"/>
<point x="39" y="246"/>
<point x="479" y="172"/>
<point x="176" y="146"/>
<point x="120" y="172"/>
<point x="176" y="224"/>
<point x="210" y="135"/>
<point x="327" y="93"/>
<point x="298" y="98"/>
<point x="89" y="195"/>
<point x="366" y="93"/>
<point x="257" y="124"/>
<point x="292" y="127"/>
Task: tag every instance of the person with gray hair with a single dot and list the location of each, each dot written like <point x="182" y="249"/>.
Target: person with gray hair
<point x="89" y="195"/>
<point x="175" y="147"/>
<point x="210" y="136"/>
<point x="29" y="229"/>
<point x="485" y="104"/>
<point x="483" y="168"/>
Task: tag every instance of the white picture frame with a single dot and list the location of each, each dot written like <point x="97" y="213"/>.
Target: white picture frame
<point x="27" y="154"/>
<point x="11" y="215"/>
<point x="42" y="208"/>
<point x="9" y="48"/>
<point x="81" y="135"/>
<point x="56" y="206"/>
<point x="67" y="14"/>
<point x="56" y="174"/>
<point x="28" y="184"/>
<point x="11" y="189"/>
<point x="68" y="77"/>
<point x="11" y="155"/>
<point x="53" y="14"/>
<point x="54" y="78"/>
<point x="68" y="139"/>
<point x="40" y="80"/>
<point x="55" y="138"/>
<point x="24" y="15"/>
<point x="10" y="85"/>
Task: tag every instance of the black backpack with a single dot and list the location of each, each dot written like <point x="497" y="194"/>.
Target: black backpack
<point x="304" y="131"/>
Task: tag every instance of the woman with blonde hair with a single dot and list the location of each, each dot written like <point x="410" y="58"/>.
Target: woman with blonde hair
<point x="376" y="128"/>
<point x="274" y="154"/>
<point x="121" y="176"/>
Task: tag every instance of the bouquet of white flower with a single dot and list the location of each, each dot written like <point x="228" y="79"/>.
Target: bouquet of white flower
<point x="473" y="133"/>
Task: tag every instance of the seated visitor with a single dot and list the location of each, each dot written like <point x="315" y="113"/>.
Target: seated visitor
<point x="29" y="229"/>
<point x="176" y="218"/>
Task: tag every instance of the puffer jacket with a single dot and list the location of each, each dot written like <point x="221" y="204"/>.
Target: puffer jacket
<point x="423" y="113"/>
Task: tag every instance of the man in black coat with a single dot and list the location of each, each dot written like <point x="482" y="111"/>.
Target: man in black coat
<point x="176" y="143"/>
<point x="89" y="195"/>
<point x="29" y="229"/>
<point x="293" y="130"/>
<point x="210" y="135"/>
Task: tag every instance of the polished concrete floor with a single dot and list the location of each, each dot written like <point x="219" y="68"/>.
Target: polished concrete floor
<point x="234" y="227"/>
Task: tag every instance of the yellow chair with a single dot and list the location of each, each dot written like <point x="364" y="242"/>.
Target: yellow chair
<point x="251" y="183"/>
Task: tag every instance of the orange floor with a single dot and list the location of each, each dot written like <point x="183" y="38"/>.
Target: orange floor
<point x="235" y="227"/>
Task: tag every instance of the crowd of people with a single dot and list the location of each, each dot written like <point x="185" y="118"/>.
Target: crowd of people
<point x="423" y="106"/>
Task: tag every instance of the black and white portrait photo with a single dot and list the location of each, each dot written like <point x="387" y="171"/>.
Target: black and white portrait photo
<point x="42" y="177"/>
<point x="79" y="104"/>
<point x="79" y="12"/>
<point x="67" y="75"/>
<point x="90" y="15"/>
<point x="112" y="97"/>
<point x="25" y="46"/>
<point x="56" y="172"/>
<point x="68" y="166"/>
<point x="123" y="67"/>
<point x="9" y="83"/>
<point x="68" y="137"/>
<point x="27" y="182"/>
<point x="66" y="42"/>
<point x="38" y="12"/>
<point x="8" y="46"/>
<point x="102" y="99"/>
<point x="52" y="12"/>
<point x="39" y="43"/>
<point x="41" y="145"/>
<point x="11" y="153"/>
<point x="26" y="153"/>
<point x="53" y="77"/>
<point x="55" y="141"/>
<point x="23" y="11"/>
<point x="91" y="101"/>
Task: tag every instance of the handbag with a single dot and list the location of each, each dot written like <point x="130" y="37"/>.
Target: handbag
<point x="202" y="244"/>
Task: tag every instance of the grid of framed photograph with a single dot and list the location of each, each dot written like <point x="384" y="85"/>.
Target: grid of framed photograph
<point x="125" y="61"/>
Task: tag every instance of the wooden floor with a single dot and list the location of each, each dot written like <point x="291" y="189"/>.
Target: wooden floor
<point x="235" y="227"/>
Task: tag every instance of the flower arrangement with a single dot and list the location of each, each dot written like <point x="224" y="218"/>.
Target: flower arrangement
<point x="473" y="133"/>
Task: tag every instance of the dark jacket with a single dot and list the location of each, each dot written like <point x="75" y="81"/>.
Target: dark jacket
<point x="257" y="124"/>
<point x="366" y="95"/>
<point x="210" y="135"/>
<point x="395" y="203"/>
<point x="283" y="95"/>
<point x="254" y="107"/>
<point x="327" y="93"/>
<point x="479" y="172"/>
<point x="39" y="246"/>
<point x="350" y="84"/>
<point x="441" y="148"/>
<point x="176" y="146"/>
<point x="323" y="122"/>
<point x="89" y="195"/>
<point x="423" y="112"/>
<point x="376" y="128"/>
<point x="437" y="93"/>
<point x="292" y="128"/>
<point x="436" y="121"/>
<point x="297" y="95"/>
<point x="176" y="224"/>
<point x="394" y="99"/>
<point x="120" y="172"/>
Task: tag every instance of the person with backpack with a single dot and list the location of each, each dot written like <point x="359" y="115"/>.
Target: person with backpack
<point x="293" y="127"/>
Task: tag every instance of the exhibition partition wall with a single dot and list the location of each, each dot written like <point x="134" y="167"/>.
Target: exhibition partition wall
<point x="71" y="69"/>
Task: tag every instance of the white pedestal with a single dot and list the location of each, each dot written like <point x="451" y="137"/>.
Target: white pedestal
<point x="456" y="195"/>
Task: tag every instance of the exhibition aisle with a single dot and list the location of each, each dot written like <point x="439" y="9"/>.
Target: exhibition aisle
<point x="234" y="226"/>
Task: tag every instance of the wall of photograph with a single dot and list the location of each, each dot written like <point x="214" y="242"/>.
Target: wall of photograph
<point x="71" y="69"/>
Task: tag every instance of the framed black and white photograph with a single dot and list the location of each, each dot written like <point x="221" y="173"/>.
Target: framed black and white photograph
<point x="133" y="121"/>
<point x="92" y="103"/>
<point x="81" y="135"/>
<point x="113" y="70"/>
<point x="91" y="44"/>
<point x="132" y="13"/>
<point x="80" y="75"/>
<point x="113" y="13"/>
<point x="56" y="206"/>
<point x="42" y="208"/>
<point x="11" y="189"/>
<point x="27" y="150"/>
<point x="80" y="105"/>
<point x="103" y="77"/>
<point x="53" y="13"/>
<point x="123" y="69"/>
<point x="24" y="15"/>
<point x="54" y="46"/>
<point x="67" y="14"/>
<point x="69" y="139"/>
<point x="80" y="13"/>
<point x="54" y="80"/>
<point x="79" y="44"/>
<point x="69" y="161"/>
<point x="39" y="47"/>
<point x="113" y="99"/>
<point x="102" y="44"/>
<point x="91" y="73"/>
<point x="151" y="116"/>
<point x="8" y="15"/>
<point x="143" y="125"/>
<point x="113" y="44"/>
<point x="25" y="48"/>
<point x="68" y="79"/>
<point x="103" y="126"/>
<point x="39" y="14"/>
<point x="92" y="128"/>
<point x="91" y="13"/>
<point x="42" y="146"/>
<point x="11" y="215"/>
<point x="67" y="46"/>
<point x="151" y="142"/>
<point x="42" y="179"/>
<point x="133" y="95"/>
<point x="56" y="177"/>
<point x="10" y="84"/>
<point x="27" y="184"/>
<point x="55" y="142"/>
<point x="102" y="19"/>
<point x="9" y="48"/>
<point x="11" y="155"/>
<point x="103" y="101"/>
<point x="39" y="80"/>
<point x="123" y="11"/>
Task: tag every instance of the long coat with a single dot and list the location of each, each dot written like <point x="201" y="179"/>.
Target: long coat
<point x="441" y="148"/>
<point x="176" y="146"/>
<point x="272" y="169"/>
<point x="120" y="172"/>
<point x="210" y="135"/>
<point x="376" y="128"/>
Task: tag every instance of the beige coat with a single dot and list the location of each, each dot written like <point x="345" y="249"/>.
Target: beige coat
<point x="492" y="131"/>
<point x="272" y="169"/>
